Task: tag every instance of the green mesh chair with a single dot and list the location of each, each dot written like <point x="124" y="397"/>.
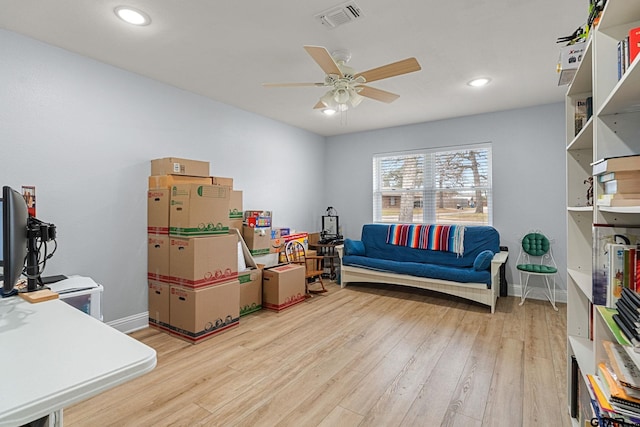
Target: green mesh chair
<point x="536" y="259"/>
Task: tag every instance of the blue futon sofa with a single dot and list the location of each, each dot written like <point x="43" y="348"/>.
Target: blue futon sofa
<point x="470" y="271"/>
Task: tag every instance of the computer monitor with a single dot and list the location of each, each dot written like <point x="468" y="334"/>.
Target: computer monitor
<point x="24" y="243"/>
<point x="14" y="237"/>
<point x="1" y="248"/>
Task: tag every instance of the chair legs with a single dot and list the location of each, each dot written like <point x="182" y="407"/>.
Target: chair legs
<point x="551" y="295"/>
<point x="319" y="280"/>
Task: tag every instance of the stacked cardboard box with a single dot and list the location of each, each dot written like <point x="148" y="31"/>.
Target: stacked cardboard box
<point x="194" y="291"/>
<point x="256" y="230"/>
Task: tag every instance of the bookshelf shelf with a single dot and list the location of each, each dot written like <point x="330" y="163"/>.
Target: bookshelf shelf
<point x="582" y="348"/>
<point x="581" y="83"/>
<point x="620" y="209"/>
<point x="583" y="281"/>
<point x="584" y="139"/>
<point x="612" y="131"/>
<point x="580" y="208"/>
<point x="625" y="97"/>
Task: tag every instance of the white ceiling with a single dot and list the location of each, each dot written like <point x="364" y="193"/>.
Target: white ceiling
<point x="225" y="50"/>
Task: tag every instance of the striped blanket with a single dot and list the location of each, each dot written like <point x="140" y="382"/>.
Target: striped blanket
<point x="449" y="238"/>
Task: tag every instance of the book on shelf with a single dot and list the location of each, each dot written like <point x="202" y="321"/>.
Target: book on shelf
<point x="617" y="395"/>
<point x="605" y="235"/>
<point x="627" y="372"/>
<point x="607" y="315"/>
<point x="607" y="407"/>
<point x="615" y="272"/>
<point x="605" y="177"/>
<point x="629" y="332"/>
<point x="573" y="391"/>
<point x="582" y="112"/>
<point x="631" y="185"/>
<point x="632" y="296"/>
<point x="616" y="164"/>
<point x="623" y="57"/>
<point x="634" y="43"/>
<point x="616" y="202"/>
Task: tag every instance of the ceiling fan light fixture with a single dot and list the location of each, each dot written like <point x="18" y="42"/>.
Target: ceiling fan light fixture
<point x="341" y="95"/>
<point x="328" y="100"/>
<point x="354" y="98"/>
<point x="479" y="82"/>
<point x="329" y="111"/>
<point x="132" y="16"/>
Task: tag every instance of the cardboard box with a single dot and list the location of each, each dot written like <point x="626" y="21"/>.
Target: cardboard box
<point x="235" y="223"/>
<point x="278" y="232"/>
<point x="159" y="304"/>
<point x="235" y="206"/>
<point x="198" y="314"/>
<point x="258" y="240"/>
<point x="177" y="166"/>
<point x="283" y="286"/>
<point x="276" y="246"/>
<point x="219" y="180"/>
<point x="258" y="218"/>
<point x="303" y="238"/>
<point x="199" y="210"/>
<point x="198" y="262"/>
<point x="158" y="211"/>
<point x="158" y="257"/>
<point x="168" y="181"/>
<point x="250" y="291"/>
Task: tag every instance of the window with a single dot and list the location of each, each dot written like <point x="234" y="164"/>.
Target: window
<point x="444" y="186"/>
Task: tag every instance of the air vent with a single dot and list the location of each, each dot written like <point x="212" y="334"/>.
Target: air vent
<point x="340" y="15"/>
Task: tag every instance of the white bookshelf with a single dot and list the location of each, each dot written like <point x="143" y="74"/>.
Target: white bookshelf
<point x="614" y="130"/>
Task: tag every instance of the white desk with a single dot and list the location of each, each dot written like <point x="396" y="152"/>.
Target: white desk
<point x="53" y="355"/>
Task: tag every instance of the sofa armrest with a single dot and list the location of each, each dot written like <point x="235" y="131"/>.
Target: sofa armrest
<point x="499" y="258"/>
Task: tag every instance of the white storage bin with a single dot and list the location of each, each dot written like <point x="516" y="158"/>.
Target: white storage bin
<point x="87" y="300"/>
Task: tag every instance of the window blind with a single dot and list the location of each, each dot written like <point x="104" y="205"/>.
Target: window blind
<point x="445" y="186"/>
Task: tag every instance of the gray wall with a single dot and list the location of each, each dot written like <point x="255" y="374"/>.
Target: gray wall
<point x="528" y="171"/>
<point x="84" y="133"/>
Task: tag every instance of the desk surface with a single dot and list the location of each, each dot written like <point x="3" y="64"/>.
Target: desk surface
<point x="53" y="355"/>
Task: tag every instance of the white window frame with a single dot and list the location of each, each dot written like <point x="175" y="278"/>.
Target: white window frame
<point x="427" y="191"/>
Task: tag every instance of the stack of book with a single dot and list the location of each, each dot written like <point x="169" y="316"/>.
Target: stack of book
<point x="615" y="386"/>
<point x="620" y="180"/>
<point x="628" y="316"/>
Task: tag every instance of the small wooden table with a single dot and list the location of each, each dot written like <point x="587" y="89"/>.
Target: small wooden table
<point x="328" y="251"/>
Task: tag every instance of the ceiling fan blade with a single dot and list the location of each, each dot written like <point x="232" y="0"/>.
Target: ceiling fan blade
<point x="291" y="84"/>
<point x="377" y="94"/>
<point x="319" y="105"/>
<point x="405" y="66"/>
<point x="323" y="59"/>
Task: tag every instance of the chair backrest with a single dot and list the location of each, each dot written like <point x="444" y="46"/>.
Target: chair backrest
<point x="536" y="244"/>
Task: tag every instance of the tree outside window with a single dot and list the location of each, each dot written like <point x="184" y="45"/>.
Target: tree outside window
<point x="433" y="186"/>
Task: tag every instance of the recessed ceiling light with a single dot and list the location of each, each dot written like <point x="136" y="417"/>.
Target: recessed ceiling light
<point x="132" y="16"/>
<point x="482" y="81"/>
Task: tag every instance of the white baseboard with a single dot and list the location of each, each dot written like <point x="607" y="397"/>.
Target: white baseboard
<point x="537" y="293"/>
<point x="131" y="323"/>
<point x="140" y="321"/>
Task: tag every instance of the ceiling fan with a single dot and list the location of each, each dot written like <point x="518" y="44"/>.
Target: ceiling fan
<point x="346" y="87"/>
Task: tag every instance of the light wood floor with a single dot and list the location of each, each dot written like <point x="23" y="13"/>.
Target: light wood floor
<point x="360" y="356"/>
